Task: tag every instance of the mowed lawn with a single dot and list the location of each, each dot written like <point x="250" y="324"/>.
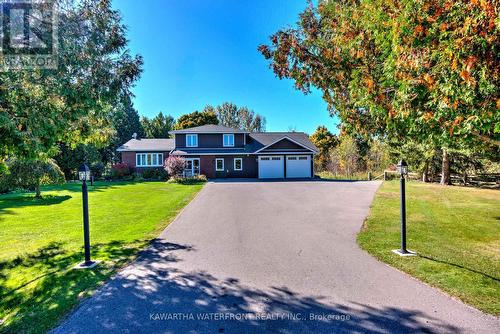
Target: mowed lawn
<point x="41" y="240"/>
<point x="454" y="230"/>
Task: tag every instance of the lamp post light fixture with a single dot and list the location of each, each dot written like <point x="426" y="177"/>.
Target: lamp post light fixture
<point x="402" y="169"/>
<point x="84" y="176"/>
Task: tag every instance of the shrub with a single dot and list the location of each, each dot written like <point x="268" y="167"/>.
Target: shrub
<point x="120" y="170"/>
<point x="175" y="166"/>
<point x="97" y="169"/>
<point x="32" y="174"/>
<point x="154" y="174"/>
<point x="188" y="180"/>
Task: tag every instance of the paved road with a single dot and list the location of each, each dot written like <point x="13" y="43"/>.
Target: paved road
<point x="272" y="257"/>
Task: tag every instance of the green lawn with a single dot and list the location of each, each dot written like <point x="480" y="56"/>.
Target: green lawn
<point x="455" y="231"/>
<point x="41" y="240"/>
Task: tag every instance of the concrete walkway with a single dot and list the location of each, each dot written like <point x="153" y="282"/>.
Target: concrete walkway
<point x="272" y="257"/>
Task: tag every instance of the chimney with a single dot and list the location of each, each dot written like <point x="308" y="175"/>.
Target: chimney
<point x="134" y="136"/>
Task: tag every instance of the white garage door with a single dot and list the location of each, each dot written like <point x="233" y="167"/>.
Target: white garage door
<point x="271" y="167"/>
<point x="298" y="166"/>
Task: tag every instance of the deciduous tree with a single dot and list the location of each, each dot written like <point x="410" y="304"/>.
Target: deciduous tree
<point x="325" y="141"/>
<point x="196" y="119"/>
<point x="158" y="126"/>
<point x="32" y="174"/>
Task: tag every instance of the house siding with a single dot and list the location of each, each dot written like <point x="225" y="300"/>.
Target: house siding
<point x="207" y="166"/>
<point x="209" y="140"/>
<point x="285" y="144"/>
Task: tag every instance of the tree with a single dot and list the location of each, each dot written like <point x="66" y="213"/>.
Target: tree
<point x="32" y="174"/>
<point x="348" y="155"/>
<point x="126" y="122"/>
<point x="72" y="103"/>
<point x="174" y="165"/>
<point x="228" y="114"/>
<point x="196" y="119"/>
<point x="158" y="127"/>
<point x="325" y="141"/>
<point x="378" y="156"/>
<point x="422" y="70"/>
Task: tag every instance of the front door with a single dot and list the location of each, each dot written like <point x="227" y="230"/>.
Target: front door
<point x="192" y="167"/>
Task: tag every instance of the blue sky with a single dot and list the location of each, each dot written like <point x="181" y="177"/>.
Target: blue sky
<point x="199" y="52"/>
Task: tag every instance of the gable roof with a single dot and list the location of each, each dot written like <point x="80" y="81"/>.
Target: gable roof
<point x="262" y="140"/>
<point x="209" y="128"/>
<point x="147" y="145"/>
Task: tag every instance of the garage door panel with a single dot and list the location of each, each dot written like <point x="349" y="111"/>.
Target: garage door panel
<point x="271" y="167"/>
<point x="298" y="166"/>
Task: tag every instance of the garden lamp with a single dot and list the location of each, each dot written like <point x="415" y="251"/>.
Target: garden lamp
<point x="402" y="168"/>
<point x="84" y="176"/>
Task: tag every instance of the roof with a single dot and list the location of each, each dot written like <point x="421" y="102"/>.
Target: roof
<point x="212" y="151"/>
<point x="209" y="128"/>
<point x="147" y="145"/>
<point x="264" y="139"/>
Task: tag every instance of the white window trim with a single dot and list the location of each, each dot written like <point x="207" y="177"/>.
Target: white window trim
<point x="216" y="169"/>
<point x="224" y="142"/>
<point x="234" y="164"/>
<point x="159" y="159"/>
<point x="191" y="135"/>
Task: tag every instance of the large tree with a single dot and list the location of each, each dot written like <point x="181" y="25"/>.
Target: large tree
<point x="426" y="70"/>
<point x="325" y="141"/>
<point x="72" y="103"/>
<point x="126" y="122"/>
<point x="158" y="126"/>
<point x="196" y="118"/>
<point x="229" y="114"/>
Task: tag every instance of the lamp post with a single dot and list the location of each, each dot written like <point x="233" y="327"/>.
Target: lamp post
<point x="84" y="176"/>
<point x="402" y="169"/>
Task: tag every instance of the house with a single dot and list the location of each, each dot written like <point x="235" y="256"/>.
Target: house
<point x="219" y="152"/>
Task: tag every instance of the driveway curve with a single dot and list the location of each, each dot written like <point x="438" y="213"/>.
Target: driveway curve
<point x="270" y="257"/>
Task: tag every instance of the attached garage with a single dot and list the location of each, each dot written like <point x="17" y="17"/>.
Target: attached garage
<point x="298" y="166"/>
<point x="271" y="167"/>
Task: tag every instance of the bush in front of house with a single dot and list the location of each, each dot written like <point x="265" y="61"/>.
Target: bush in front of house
<point x="188" y="180"/>
<point x="154" y="174"/>
<point x="174" y="166"/>
<point x="120" y="170"/>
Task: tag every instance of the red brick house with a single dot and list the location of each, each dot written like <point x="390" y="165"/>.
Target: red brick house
<point x="219" y="152"/>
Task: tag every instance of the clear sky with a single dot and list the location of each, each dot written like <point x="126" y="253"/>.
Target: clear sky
<point x="199" y="52"/>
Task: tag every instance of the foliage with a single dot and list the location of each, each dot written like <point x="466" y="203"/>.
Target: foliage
<point x="454" y="231"/>
<point x="197" y="179"/>
<point x="154" y="174"/>
<point x="42" y="240"/>
<point x="126" y="122"/>
<point x="72" y="104"/>
<point x="69" y="159"/>
<point x="120" y="170"/>
<point x="174" y="165"/>
<point x="426" y="71"/>
<point x="347" y="155"/>
<point x="158" y="126"/>
<point x="378" y="158"/>
<point x="32" y="174"/>
<point x="230" y="115"/>
<point x="325" y="141"/>
<point x="196" y="119"/>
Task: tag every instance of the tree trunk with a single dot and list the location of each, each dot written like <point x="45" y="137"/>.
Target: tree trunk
<point x="37" y="191"/>
<point x="425" y="173"/>
<point x="445" y="169"/>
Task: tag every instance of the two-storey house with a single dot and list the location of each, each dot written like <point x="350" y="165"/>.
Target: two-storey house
<point x="222" y="152"/>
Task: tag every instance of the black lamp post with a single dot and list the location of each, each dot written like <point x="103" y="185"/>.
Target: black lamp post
<point x="84" y="176"/>
<point x="402" y="169"/>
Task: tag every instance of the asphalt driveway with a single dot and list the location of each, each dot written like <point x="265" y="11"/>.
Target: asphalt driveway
<point x="280" y="257"/>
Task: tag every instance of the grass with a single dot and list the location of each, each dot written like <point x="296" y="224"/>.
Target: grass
<point x="454" y="230"/>
<point x="41" y="240"/>
<point x="355" y="177"/>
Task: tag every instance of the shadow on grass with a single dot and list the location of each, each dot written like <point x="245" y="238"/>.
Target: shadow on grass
<point x="154" y="287"/>
<point x="460" y="266"/>
<point x="7" y="203"/>
<point x="40" y="287"/>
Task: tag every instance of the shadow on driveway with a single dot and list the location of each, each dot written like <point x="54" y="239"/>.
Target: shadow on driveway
<point x="155" y="296"/>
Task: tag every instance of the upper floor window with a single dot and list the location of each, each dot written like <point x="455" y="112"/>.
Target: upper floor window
<point x="149" y="159"/>
<point x="228" y="139"/>
<point x="192" y="140"/>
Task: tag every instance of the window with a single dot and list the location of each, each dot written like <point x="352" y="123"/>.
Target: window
<point x="192" y="140"/>
<point x="228" y="140"/>
<point x="275" y="158"/>
<point x="238" y="164"/>
<point x="219" y="165"/>
<point x="264" y="158"/>
<point x="302" y="158"/>
<point x="292" y="158"/>
<point x="149" y="159"/>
